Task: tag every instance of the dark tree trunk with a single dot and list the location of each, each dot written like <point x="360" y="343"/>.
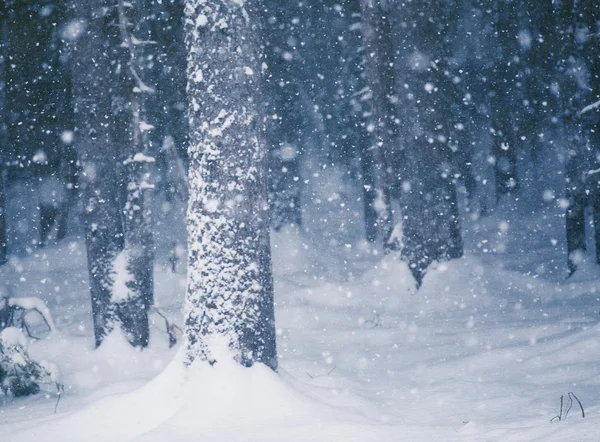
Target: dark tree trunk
<point x="3" y="236"/>
<point x="538" y="55"/>
<point x="68" y="170"/>
<point x="592" y="55"/>
<point x="284" y="189"/>
<point x="230" y="292"/>
<point x="575" y="193"/>
<point x="129" y="130"/>
<point x="380" y="69"/>
<point x="368" y="192"/>
<point x="285" y="122"/>
<point x="91" y="66"/>
<point x="430" y="222"/>
<point x="504" y="88"/>
<point x="578" y="58"/>
<point x="4" y="154"/>
<point x="69" y="174"/>
<point x="166" y="106"/>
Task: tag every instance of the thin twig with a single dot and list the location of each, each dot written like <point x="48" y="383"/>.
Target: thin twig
<point x="589" y="107"/>
<point x="559" y="416"/>
<point x="170" y="326"/>
<point x="128" y="41"/>
<point x="57" y="401"/>
<point x="569" y="406"/>
<point x="166" y="318"/>
<point x="313" y="376"/>
<point x="579" y="402"/>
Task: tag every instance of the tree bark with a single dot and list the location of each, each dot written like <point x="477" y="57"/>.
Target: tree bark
<point x="380" y="69"/>
<point x="578" y="54"/>
<point x="3" y="236"/>
<point x="129" y="131"/>
<point x="230" y="291"/>
<point x="285" y="119"/>
<point x="430" y="221"/>
<point x="91" y="66"/>
<point x="504" y="87"/>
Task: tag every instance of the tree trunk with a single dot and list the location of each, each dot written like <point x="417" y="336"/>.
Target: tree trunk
<point x="504" y="87"/>
<point x="91" y="66"/>
<point x="230" y="293"/>
<point x="380" y="69"/>
<point x="575" y="193"/>
<point x="134" y="298"/>
<point x="368" y="196"/>
<point x="69" y="174"/>
<point x="576" y="65"/>
<point x="166" y="107"/>
<point x="285" y="118"/>
<point x="3" y="236"/>
<point x="430" y="222"/>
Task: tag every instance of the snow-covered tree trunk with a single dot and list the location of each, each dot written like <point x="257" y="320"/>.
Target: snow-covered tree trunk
<point x="380" y="69"/>
<point x="230" y="292"/>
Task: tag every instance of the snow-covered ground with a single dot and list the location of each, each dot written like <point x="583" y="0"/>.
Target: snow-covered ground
<point x="482" y="352"/>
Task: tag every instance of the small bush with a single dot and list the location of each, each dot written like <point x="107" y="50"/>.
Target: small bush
<point x="19" y="374"/>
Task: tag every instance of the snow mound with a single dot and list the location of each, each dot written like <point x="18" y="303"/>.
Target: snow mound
<point x="224" y="402"/>
<point x="228" y="402"/>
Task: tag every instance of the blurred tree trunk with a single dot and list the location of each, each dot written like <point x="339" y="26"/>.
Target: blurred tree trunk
<point x="230" y="291"/>
<point x="3" y="121"/>
<point x="69" y="175"/>
<point x="591" y="50"/>
<point x="430" y="222"/>
<point x="377" y="161"/>
<point x="503" y="90"/>
<point x="166" y="107"/>
<point x="91" y="63"/>
<point x="3" y="236"/>
<point x="578" y="88"/>
<point x="285" y="119"/>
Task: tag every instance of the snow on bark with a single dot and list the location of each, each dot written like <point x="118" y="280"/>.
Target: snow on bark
<point x="230" y="292"/>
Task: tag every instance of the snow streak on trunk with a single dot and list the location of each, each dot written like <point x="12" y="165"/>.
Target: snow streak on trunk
<point x="230" y="293"/>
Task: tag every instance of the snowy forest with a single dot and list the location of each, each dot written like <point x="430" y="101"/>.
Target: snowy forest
<point x="307" y="220"/>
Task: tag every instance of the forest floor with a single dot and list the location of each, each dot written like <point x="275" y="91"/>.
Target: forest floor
<point x="482" y="352"/>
